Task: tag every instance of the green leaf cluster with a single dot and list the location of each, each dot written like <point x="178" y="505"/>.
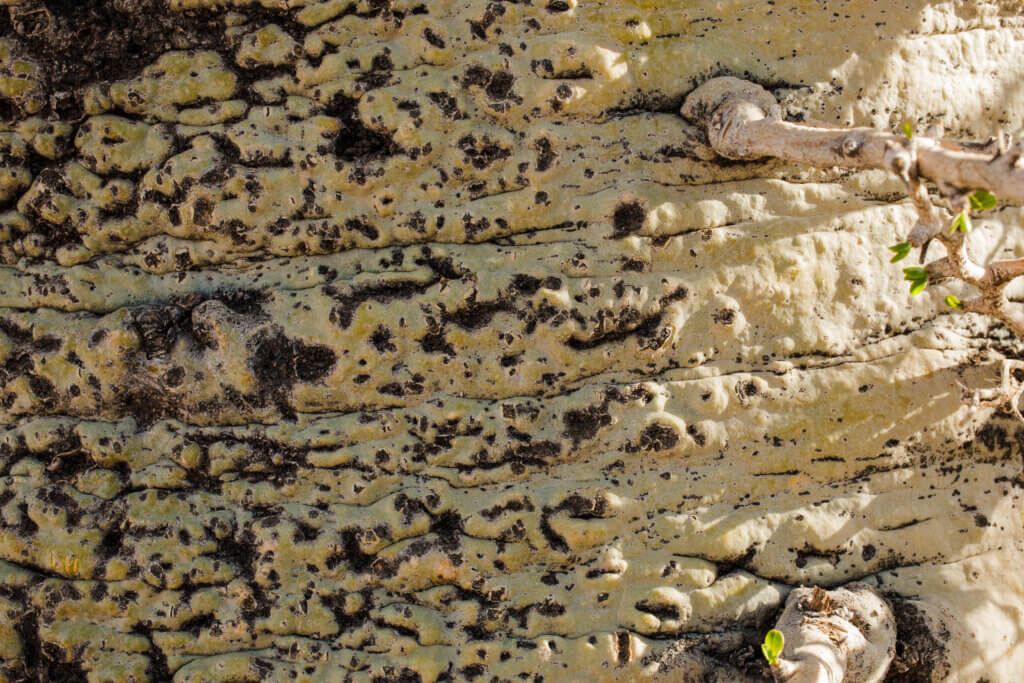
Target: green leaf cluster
<point x="901" y="250"/>
<point x="917" y="277"/>
<point x="772" y="646"/>
<point x="962" y="222"/>
<point x="982" y="199"/>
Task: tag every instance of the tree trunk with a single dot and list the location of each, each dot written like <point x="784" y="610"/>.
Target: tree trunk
<point x="387" y="341"/>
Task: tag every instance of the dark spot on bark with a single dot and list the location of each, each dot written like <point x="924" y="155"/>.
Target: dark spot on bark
<point x="477" y="314"/>
<point x="434" y="39"/>
<point x="545" y="154"/>
<point x="476" y="75"/>
<point x="724" y="316"/>
<point x="342" y="314"/>
<point x="660" y="610"/>
<point x="379" y="74"/>
<point x="202" y="211"/>
<point x="381" y="340"/>
<point x="175" y="376"/>
<point x="435" y="342"/>
<point x="42" y="388"/>
<point x="679" y="294"/>
<point x="278" y="362"/>
<point x="647" y="330"/>
<point x="695" y="434"/>
<point x="500" y="85"/>
<point x="658" y="437"/>
<point x="525" y="284"/>
<point x="583" y="424"/>
<point x="313" y="362"/>
<point x="481" y="154"/>
<point x="355" y="141"/>
<point x="550" y="608"/>
<point x="447" y="104"/>
<point x="747" y="389"/>
<point x="474" y="227"/>
<point x="921" y="655"/>
<point x="627" y="219"/>
<point x="362" y="227"/>
<point x="554" y="539"/>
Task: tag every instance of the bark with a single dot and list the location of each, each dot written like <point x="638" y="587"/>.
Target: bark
<point x="396" y="341"/>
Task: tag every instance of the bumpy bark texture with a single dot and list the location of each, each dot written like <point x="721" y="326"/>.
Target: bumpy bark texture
<point x="388" y="340"/>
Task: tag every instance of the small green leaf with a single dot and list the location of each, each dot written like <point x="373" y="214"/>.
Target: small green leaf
<point x="901" y="250"/>
<point x="961" y="223"/>
<point x="908" y="130"/>
<point x="953" y="302"/>
<point x="772" y="646"/>
<point x="914" y="273"/>
<point x="917" y="286"/>
<point x="982" y="199"/>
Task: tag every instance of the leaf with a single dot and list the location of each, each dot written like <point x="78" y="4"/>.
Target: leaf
<point x="901" y="250"/>
<point x="772" y="646"/>
<point x="908" y="130"/>
<point x="982" y="199"/>
<point x="953" y="302"/>
<point x="918" y="286"/>
<point x="914" y="273"/>
<point x="961" y="223"/>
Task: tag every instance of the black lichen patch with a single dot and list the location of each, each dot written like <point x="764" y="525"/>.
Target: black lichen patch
<point x="921" y="655"/>
<point x="629" y="323"/>
<point x="497" y="85"/>
<point x="356" y="142"/>
<point x="582" y="425"/>
<point x="448" y="105"/>
<point x="628" y="219"/>
<point x="585" y="507"/>
<point x="660" y="610"/>
<point x="239" y="550"/>
<point x="379" y="74"/>
<point x="313" y="362"/>
<point x="159" y="327"/>
<point x="554" y="539"/>
<point x="658" y="437"/>
<point x="545" y="154"/>
<point x="476" y="315"/>
<point x="279" y="362"/>
<point x="49" y="186"/>
<point x="381" y="340"/>
<point x="348" y="302"/>
<point x="724" y="316"/>
<point x="146" y="404"/>
<point x="482" y="153"/>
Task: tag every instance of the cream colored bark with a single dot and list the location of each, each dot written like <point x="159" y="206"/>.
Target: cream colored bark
<point x="397" y="341"/>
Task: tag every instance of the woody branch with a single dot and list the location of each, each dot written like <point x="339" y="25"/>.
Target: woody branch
<point x="743" y="121"/>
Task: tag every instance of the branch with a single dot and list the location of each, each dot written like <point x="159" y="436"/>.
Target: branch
<point x="847" y="634"/>
<point x="744" y="124"/>
<point x="742" y="120"/>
